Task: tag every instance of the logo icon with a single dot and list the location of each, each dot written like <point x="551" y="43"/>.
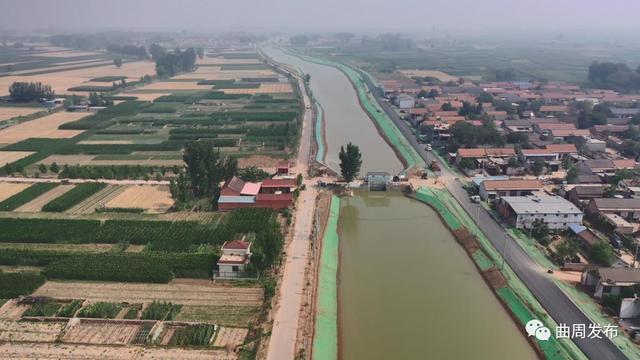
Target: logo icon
<point x="536" y="328"/>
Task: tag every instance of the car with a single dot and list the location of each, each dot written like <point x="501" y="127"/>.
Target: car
<point x="474" y="198"/>
<point x="428" y="147"/>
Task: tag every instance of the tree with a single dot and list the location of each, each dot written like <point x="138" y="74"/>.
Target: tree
<point x="447" y="107"/>
<point x="200" y="53"/>
<point x="567" y="250"/>
<point x="179" y="188"/>
<point x="30" y="91"/>
<point x="42" y="168"/>
<point x="609" y="192"/>
<point x="253" y="174"/>
<point x="54" y="168"/>
<point x="601" y="253"/>
<point x="572" y="175"/>
<point x="513" y="163"/>
<point x="350" y="162"/>
<point x="538" y="167"/>
<point x="117" y="62"/>
<point x="157" y="51"/>
<point x="467" y="163"/>
<point x="206" y="168"/>
<point x="433" y="93"/>
<point x="539" y="229"/>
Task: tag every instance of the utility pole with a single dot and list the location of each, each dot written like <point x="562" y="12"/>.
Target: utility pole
<point x="504" y="250"/>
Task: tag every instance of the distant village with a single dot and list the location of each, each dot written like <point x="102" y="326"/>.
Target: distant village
<point x="554" y="161"/>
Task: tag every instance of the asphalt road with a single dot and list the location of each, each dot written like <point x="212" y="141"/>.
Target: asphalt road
<point x="557" y="304"/>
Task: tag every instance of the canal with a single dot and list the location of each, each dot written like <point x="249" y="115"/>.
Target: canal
<point x="345" y="121"/>
<point x="406" y="289"/>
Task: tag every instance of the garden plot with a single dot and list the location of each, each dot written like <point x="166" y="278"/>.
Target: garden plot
<point x="230" y="337"/>
<point x="31" y="331"/>
<point x="11" y="156"/>
<point x="97" y="200"/>
<point x="62" y="80"/>
<point x="191" y="292"/>
<point x="11" y="310"/>
<point x="105" y="352"/>
<point x="44" y="127"/>
<point x="7" y="189"/>
<point x="154" y="199"/>
<point x="226" y="315"/>
<point x="7" y="112"/>
<point x="101" y="332"/>
<point x="36" y="204"/>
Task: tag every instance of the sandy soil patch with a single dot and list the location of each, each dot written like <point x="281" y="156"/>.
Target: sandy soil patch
<point x="105" y="352"/>
<point x="36" y="204"/>
<point x="231" y="337"/>
<point x="7" y="190"/>
<point x="192" y="292"/>
<point x="32" y="331"/>
<point x="101" y="332"/>
<point x="7" y="112"/>
<point x="62" y="80"/>
<point x="569" y="276"/>
<point x="11" y="310"/>
<point x="11" y="156"/>
<point x="266" y="163"/>
<point x="154" y="199"/>
<point x="44" y="127"/>
<point x="440" y="75"/>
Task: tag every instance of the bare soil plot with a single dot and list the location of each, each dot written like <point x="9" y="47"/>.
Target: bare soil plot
<point x="11" y="310"/>
<point x="185" y="292"/>
<point x="97" y="200"/>
<point x="67" y="53"/>
<point x="7" y="112"/>
<point x="62" y="80"/>
<point x="442" y="76"/>
<point x="70" y="65"/>
<point x="93" y="248"/>
<point x="44" y="127"/>
<point x="264" y="162"/>
<point x="101" y="332"/>
<point x="230" y="337"/>
<point x="36" y="204"/>
<point x="174" y="85"/>
<point x="11" y="156"/>
<point x="154" y="199"/>
<point x="32" y="331"/>
<point x="264" y="88"/>
<point x="8" y="189"/>
<point x="105" y="352"/>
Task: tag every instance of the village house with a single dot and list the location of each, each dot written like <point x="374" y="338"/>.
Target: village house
<point x="628" y="209"/>
<point x="235" y="257"/>
<point x="494" y="189"/>
<point x="563" y="150"/>
<point x="493" y="160"/>
<point x="623" y="113"/>
<point x="404" y="101"/>
<point x="518" y="126"/>
<point x="270" y="193"/>
<point x="581" y="195"/>
<point x="554" y="110"/>
<point x="522" y="211"/>
<point x="548" y="157"/>
<point x="610" y="281"/>
<point x="584" y="235"/>
<point x="630" y="186"/>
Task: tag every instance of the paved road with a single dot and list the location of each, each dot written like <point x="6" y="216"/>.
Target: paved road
<point x="285" y="325"/>
<point x="557" y="304"/>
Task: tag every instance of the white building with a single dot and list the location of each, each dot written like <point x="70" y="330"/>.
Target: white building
<point x="522" y="211"/>
<point x="404" y="101"/>
<point x="234" y="260"/>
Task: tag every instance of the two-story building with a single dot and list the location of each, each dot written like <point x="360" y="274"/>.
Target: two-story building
<point x="522" y="211"/>
<point x="494" y="189"/>
<point x="235" y="257"/>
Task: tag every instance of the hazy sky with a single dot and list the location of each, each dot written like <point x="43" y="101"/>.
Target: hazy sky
<point x="318" y="15"/>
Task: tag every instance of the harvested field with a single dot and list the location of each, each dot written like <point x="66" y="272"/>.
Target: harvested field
<point x="92" y="248"/>
<point x="63" y="80"/>
<point x="68" y="159"/>
<point x="220" y="315"/>
<point x="36" y="204"/>
<point x="134" y="248"/>
<point x="442" y="76"/>
<point x="104" y="352"/>
<point x="7" y="113"/>
<point x="154" y="199"/>
<point x="95" y="160"/>
<point x="11" y="310"/>
<point x="145" y="96"/>
<point x="174" y="85"/>
<point x="101" y="332"/>
<point x="31" y="331"/>
<point x="11" y="156"/>
<point x="68" y="53"/>
<point x="265" y="88"/>
<point x="230" y="337"/>
<point x="184" y="292"/>
<point x="8" y="189"/>
<point x="97" y="200"/>
<point x="266" y="163"/>
<point x="44" y="127"/>
<point x="70" y="65"/>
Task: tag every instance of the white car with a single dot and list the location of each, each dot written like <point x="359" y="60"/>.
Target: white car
<point x="475" y="198"/>
<point x="428" y="147"/>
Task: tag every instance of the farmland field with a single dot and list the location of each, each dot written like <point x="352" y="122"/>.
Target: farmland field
<point x="154" y="199"/>
<point x="192" y="292"/>
<point x="101" y="332"/>
<point x="11" y="156"/>
<point x="44" y="127"/>
<point x="36" y="204"/>
<point x="35" y="331"/>
<point x="7" y="190"/>
<point x="219" y="314"/>
<point x="97" y="200"/>
<point x="11" y="112"/>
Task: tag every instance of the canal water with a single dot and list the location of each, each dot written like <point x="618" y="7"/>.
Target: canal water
<point x="406" y="289"/>
<point x="345" y="121"/>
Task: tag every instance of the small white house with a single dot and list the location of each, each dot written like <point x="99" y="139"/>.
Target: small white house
<point x="234" y="260"/>
<point x="610" y="281"/>
<point x="404" y="101"/>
